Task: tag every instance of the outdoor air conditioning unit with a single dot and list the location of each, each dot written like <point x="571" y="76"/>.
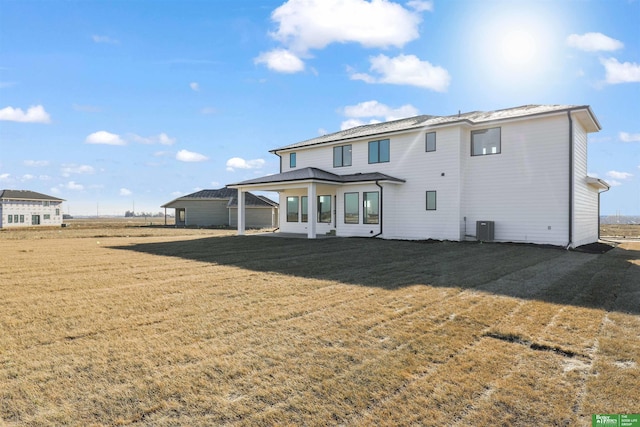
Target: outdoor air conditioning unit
<point x="485" y="231"/>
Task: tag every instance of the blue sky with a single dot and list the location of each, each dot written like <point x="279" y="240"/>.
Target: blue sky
<point x="117" y="104"/>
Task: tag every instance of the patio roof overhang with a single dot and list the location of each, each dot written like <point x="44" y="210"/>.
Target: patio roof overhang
<point x="598" y="183"/>
<point x="302" y="177"/>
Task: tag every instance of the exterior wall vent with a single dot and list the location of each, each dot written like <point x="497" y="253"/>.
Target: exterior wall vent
<point x="485" y="231"/>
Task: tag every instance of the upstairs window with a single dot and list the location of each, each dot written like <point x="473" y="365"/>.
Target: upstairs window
<point x="430" y="142"/>
<point x="292" y="160"/>
<point x="379" y="151"/>
<point x="342" y="156"/>
<point x="485" y="142"/>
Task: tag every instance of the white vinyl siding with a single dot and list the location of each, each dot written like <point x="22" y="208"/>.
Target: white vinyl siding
<point x="50" y="214"/>
<point x="585" y="199"/>
<point x="525" y="189"/>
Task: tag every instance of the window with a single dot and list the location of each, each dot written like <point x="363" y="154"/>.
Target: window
<point x="324" y="208"/>
<point x="431" y="200"/>
<point x="10" y="219"/>
<point x="379" y="151"/>
<point x="485" y="142"/>
<point x="430" y="141"/>
<point x="371" y="207"/>
<point x="46" y="216"/>
<point x="304" y="207"/>
<point x="57" y="212"/>
<point x="292" y="209"/>
<point x="22" y="219"/>
<point x="15" y="219"/>
<point x="351" y="208"/>
<point x="292" y="160"/>
<point x="45" y="203"/>
<point x="342" y="156"/>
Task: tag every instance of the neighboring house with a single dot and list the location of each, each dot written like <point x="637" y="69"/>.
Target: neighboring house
<point x="513" y="175"/>
<point x="22" y="208"/>
<point x="214" y="208"/>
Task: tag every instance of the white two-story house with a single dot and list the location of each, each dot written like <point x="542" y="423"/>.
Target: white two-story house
<point x="513" y="175"/>
<point x="23" y="208"/>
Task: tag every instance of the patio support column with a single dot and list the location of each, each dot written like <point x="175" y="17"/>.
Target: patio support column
<point x="240" y="212"/>
<point x="312" y="211"/>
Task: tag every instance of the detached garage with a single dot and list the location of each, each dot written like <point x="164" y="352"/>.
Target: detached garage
<point x="219" y="208"/>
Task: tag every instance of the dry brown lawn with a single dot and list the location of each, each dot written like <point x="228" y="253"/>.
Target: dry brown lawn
<point x="631" y="231"/>
<point x="163" y="326"/>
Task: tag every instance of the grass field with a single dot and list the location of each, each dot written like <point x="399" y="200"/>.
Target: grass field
<point x="162" y="326"/>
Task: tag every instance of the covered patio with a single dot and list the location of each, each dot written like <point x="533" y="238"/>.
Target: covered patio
<point x="307" y="181"/>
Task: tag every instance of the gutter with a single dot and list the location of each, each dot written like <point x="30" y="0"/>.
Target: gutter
<point x="570" y="179"/>
<point x="381" y="208"/>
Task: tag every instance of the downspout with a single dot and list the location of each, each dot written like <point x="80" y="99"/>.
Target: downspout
<point x="381" y="208"/>
<point x="570" y="180"/>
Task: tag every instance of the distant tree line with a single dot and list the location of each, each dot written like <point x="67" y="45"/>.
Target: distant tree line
<point x="132" y="214"/>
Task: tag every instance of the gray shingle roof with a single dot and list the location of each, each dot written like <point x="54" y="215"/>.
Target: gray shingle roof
<point x="229" y="194"/>
<point x="424" y="121"/>
<point x="26" y="195"/>
<point x="319" y="175"/>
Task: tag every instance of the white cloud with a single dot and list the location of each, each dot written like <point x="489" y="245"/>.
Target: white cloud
<point x="104" y="137"/>
<point x="351" y="123"/>
<point x="406" y="70"/>
<point x="314" y="24"/>
<point x="27" y="177"/>
<point x="36" y="163"/>
<point x="371" y="109"/>
<point x="280" y="60"/>
<point x="4" y="85"/>
<point x="34" y="114"/>
<point x="322" y="131"/>
<point x="44" y="178"/>
<point x="54" y="190"/>
<point x="190" y="156"/>
<point x="72" y="185"/>
<point x="67" y="170"/>
<point x="4" y="176"/>
<point x="240" y="163"/>
<point x="161" y="138"/>
<point x="619" y="175"/>
<point x="613" y="183"/>
<point x="177" y="193"/>
<point x="376" y="109"/>
<point x="125" y="192"/>
<point x="208" y="110"/>
<point x="165" y="139"/>
<point x="104" y="39"/>
<point x="626" y="72"/>
<point x="629" y="137"/>
<point x="593" y="42"/>
<point x="421" y="6"/>
<point x="215" y="184"/>
<point x="194" y="86"/>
